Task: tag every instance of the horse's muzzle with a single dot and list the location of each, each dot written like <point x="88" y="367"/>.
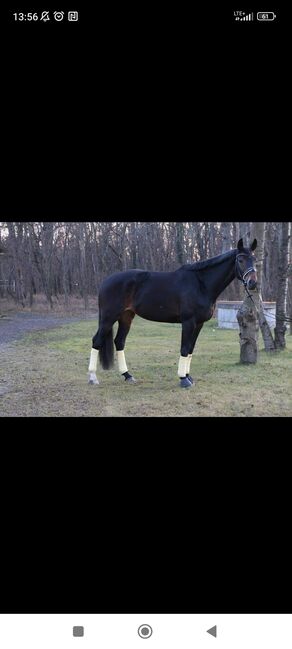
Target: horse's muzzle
<point x="251" y="284"/>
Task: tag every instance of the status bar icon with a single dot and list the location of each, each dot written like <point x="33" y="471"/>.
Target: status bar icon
<point x="247" y="17"/>
<point x="73" y="16"/>
<point x="58" y="15"/>
<point x="266" y="15"/>
<point x="45" y="16"/>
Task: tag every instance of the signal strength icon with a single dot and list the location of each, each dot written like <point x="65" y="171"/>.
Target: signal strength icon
<point x="246" y="17"/>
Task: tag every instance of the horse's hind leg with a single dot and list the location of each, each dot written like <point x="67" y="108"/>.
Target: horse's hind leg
<point x="92" y="367"/>
<point x="125" y="322"/>
<point x="98" y="341"/>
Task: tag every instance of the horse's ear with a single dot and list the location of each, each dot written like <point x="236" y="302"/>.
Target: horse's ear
<point x="254" y="244"/>
<point x="240" y="244"/>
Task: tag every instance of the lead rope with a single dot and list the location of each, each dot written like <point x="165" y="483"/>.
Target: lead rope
<point x="242" y="278"/>
<point x="271" y="315"/>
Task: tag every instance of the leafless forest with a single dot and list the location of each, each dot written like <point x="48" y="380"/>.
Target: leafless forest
<point x="71" y="259"/>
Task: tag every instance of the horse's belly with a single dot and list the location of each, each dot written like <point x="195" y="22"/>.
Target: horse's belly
<point x="157" y="313"/>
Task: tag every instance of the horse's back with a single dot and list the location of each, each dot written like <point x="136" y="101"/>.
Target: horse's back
<point x="124" y="278"/>
<point x="118" y="290"/>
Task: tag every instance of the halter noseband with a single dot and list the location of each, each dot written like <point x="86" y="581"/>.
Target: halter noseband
<point x="242" y="276"/>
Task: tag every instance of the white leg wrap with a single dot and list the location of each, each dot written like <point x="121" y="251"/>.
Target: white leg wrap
<point x="182" y="366"/>
<point x="189" y="360"/>
<point x="93" y="360"/>
<point x="122" y="365"/>
<point x="93" y="378"/>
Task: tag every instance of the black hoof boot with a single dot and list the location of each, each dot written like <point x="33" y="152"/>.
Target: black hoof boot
<point x="190" y="378"/>
<point x="185" y="383"/>
<point x="129" y="378"/>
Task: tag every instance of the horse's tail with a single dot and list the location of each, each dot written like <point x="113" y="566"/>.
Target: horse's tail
<point x="106" y="351"/>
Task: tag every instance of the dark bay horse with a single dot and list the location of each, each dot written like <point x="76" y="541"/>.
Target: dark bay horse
<point x="186" y="295"/>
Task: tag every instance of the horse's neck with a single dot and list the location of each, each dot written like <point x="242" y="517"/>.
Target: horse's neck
<point x="217" y="278"/>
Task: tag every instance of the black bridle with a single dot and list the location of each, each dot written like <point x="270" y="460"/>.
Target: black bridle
<point x="240" y="275"/>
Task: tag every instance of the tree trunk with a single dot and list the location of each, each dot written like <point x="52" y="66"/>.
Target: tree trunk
<point x="42" y="258"/>
<point x="226" y="244"/>
<point x="235" y="233"/>
<point x="212" y="239"/>
<point x="226" y="236"/>
<point x="264" y="325"/>
<point x="179" y="242"/>
<point x="47" y="253"/>
<point x="65" y="268"/>
<point x="83" y="273"/>
<point x="244" y="232"/>
<point x="133" y="231"/>
<point x="249" y="328"/>
<point x="17" y="262"/>
<point x="30" y="265"/>
<point x="281" y="304"/>
<point x="258" y="231"/>
<point x="290" y="282"/>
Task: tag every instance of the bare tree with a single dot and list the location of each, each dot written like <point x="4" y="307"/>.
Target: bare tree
<point x="282" y="287"/>
<point x="226" y="236"/>
<point x="258" y="232"/>
<point x="244" y="232"/>
<point x="290" y="282"/>
<point x="15" y="240"/>
<point x="82" y="241"/>
<point x="179" y="242"/>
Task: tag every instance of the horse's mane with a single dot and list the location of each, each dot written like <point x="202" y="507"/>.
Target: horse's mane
<point x="208" y="263"/>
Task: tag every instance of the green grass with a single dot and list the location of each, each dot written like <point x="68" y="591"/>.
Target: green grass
<point x="45" y="374"/>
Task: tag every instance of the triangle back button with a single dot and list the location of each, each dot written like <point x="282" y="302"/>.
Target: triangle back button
<point x="213" y="631"/>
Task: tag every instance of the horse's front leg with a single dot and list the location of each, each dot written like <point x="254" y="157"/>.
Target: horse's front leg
<point x="188" y="329"/>
<point x="195" y="336"/>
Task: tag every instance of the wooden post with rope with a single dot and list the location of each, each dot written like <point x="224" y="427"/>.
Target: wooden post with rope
<point x="247" y="317"/>
<point x="251" y="315"/>
<point x="249" y="331"/>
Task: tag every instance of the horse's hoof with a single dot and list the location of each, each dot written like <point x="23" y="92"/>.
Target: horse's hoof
<point x="185" y="383"/>
<point x="190" y="378"/>
<point x="93" y="380"/>
<point x="130" y="379"/>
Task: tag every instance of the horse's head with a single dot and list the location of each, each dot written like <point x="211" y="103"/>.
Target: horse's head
<point x="245" y="265"/>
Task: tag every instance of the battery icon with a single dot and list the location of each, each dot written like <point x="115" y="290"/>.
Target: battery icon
<point x="266" y="15"/>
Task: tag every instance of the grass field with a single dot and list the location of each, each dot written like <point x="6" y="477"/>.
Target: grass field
<point x="45" y="374"/>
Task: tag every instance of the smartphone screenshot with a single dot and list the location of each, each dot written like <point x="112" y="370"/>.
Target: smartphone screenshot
<point x="145" y="327"/>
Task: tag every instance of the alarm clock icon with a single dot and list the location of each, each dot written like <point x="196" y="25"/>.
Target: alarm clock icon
<point x="58" y="15"/>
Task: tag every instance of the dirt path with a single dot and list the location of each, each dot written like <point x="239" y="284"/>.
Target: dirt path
<point x="17" y="372"/>
<point x="14" y="327"/>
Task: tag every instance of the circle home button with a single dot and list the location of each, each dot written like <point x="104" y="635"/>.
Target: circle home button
<point x="145" y="631"/>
